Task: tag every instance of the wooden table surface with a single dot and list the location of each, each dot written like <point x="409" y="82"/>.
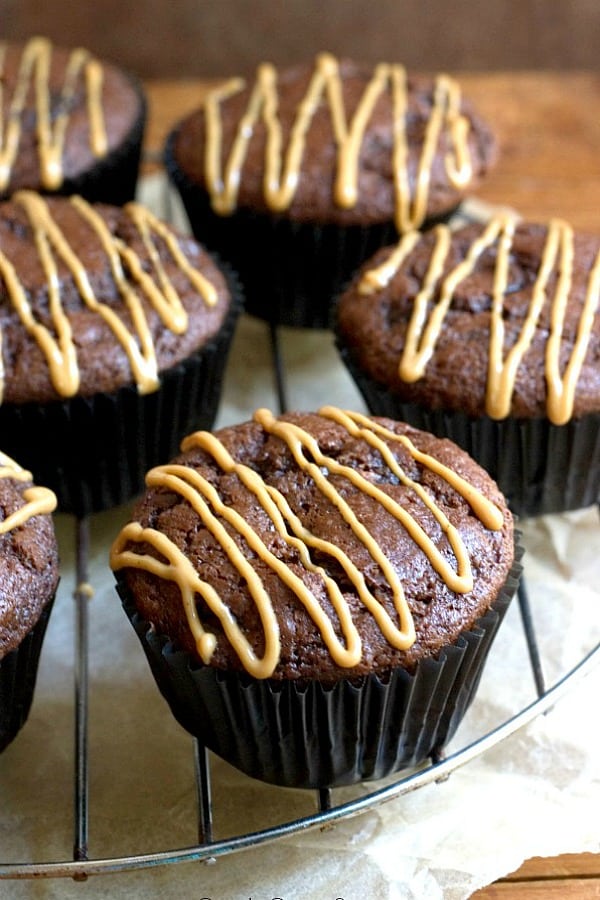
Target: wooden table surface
<point x="548" y="127"/>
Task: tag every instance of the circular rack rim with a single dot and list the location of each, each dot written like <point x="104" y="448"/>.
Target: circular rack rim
<point x="81" y="866"/>
<point x="208" y="852"/>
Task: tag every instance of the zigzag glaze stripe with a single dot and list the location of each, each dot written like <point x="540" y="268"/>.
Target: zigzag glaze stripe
<point x="51" y="123"/>
<point x="283" y="165"/>
<point x="437" y="291"/>
<point x="38" y="500"/>
<point x="172" y="565"/>
<point x="57" y="344"/>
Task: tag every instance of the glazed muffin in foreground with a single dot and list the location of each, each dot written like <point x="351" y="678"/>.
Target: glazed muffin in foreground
<point x="489" y="335"/>
<point x="316" y="593"/>
<point x="71" y="124"/>
<point x="298" y="175"/>
<point x="115" y="332"/>
<point x="29" y="566"/>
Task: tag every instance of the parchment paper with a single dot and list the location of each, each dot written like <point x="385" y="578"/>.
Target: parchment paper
<point x="536" y="793"/>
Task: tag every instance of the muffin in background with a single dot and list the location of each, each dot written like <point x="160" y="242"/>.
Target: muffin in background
<point x="489" y="335"/>
<point x="72" y="124"/>
<point x="316" y="593"/>
<point x="29" y="566"/>
<point x="115" y="332"/>
<point x="298" y="176"/>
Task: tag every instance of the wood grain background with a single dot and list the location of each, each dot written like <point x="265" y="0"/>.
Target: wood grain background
<point x="175" y="38"/>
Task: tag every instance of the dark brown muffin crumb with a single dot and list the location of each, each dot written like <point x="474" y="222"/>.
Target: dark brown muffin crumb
<point x="101" y="359"/>
<point x="377" y="183"/>
<point x="373" y="326"/>
<point x="29" y="559"/>
<point x="439" y="613"/>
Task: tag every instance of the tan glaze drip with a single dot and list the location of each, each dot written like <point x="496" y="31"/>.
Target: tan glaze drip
<point x="427" y="321"/>
<point x="206" y="502"/>
<point x="57" y="345"/>
<point x="283" y="166"/>
<point x="38" y="500"/>
<point x="362" y="426"/>
<point x="52" y="122"/>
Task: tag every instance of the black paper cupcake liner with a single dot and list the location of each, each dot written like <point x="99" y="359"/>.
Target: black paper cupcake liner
<point x="113" y="179"/>
<point x="290" y="270"/>
<point x="539" y="467"/>
<point x="18" y="674"/>
<point x="94" y="452"/>
<point x="309" y="735"/>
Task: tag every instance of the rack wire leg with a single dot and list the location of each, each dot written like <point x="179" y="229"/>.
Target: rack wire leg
<point x="81" y="596"/>
<point x="204" y="793"/>
<point x="532" y="646"/>
<point x="324" y="799"/>
<point x="278" y="369"/>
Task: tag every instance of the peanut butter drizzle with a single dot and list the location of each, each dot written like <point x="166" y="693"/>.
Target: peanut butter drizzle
<point x="424" y="327"/>
<point x="38" y="500"/>
<point x="34" y="74"/>
<point x="210" y="508"/>
<point x="282" y="167"/>
<point x="58" y="345"/>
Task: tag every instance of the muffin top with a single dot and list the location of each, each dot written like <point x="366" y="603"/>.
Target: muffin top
<point x="93" y="297"/>
<point x="315" y="545"/>
<point x="62" y="112"/>
<point x="335" y="141"/>
<point x="28" y="553"/>
<point x="498" y="319"/>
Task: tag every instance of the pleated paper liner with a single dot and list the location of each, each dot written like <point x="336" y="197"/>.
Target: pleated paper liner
<point x="291" y="271"/>
<point x="310" y="735"/>
<point x="94" y="452"/>
<point x="539" y="467"/>
<point x="18" y="674"/>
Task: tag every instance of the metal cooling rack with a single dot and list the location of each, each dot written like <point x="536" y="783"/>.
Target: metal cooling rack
<point x="327" y="810"/>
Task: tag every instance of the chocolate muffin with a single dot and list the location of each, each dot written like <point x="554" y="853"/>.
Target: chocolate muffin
<point x="301" y="174"/>
<point x="115" y="331"/>
<point x="29" y="563"/>
<point x="489" y="335"/>
<point x="317" y="593"/>
<point x="72" y="124"/>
